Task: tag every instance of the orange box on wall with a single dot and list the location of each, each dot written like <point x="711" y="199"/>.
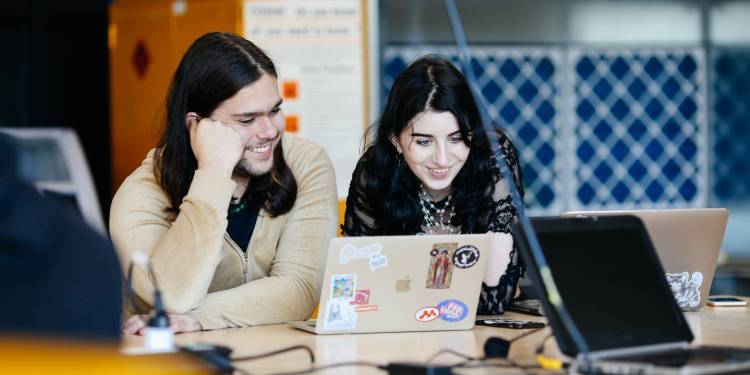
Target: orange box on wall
<point x="292" y="123"/>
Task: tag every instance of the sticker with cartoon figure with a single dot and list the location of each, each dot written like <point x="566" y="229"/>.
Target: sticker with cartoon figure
<point x="343" y="286"/>
<point x="361" y="301"/>
<point x="339" y="315"/>
<point x="452" y="310"/>
<point x="686" y="288"/>
<point x="466" y="256"/>
<point x="427" y="314"/>
<point x="441" y="266"/>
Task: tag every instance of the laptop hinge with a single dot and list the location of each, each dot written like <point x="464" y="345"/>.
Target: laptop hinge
<point x="655" y="348"/>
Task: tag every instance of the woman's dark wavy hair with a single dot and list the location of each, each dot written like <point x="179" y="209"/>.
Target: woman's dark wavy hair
<point x="214" y="69"/>
<point x="429" y="83"/>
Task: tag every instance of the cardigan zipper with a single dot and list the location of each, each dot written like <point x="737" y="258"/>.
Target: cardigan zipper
<point x="241" y="253"/>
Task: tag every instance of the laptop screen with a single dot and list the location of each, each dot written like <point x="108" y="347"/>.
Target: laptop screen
<point x="611" y="282"/>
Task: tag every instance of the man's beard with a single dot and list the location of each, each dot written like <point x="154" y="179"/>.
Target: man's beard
<point x="244" y="169"/>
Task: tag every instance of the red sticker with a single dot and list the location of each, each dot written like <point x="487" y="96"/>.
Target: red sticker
<point x="427" y="314"/>
<point x="361" y="297"/>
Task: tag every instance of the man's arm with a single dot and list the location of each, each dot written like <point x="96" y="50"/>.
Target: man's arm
<point x="185" y="250"/>
<point x="292" y="288"/>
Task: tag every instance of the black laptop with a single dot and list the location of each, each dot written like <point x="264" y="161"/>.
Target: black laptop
<point x="612" y="284"/>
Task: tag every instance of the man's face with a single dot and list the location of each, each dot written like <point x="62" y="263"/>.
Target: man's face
<point x="255" y="112"/>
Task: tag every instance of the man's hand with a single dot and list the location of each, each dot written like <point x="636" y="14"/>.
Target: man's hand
<point x="215" y="145"/>
<point x="179" y="323"/>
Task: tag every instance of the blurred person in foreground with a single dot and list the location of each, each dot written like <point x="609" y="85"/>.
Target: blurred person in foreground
<point x="58" y="276"/>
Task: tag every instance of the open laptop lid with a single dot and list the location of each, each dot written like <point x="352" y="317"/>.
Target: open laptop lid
<point x="406" y="283"/>
<point x="687" y="242"/>
<point x="609" y="279"/>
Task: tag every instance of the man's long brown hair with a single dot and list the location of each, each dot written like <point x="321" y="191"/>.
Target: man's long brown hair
<point x="214" y="69"/>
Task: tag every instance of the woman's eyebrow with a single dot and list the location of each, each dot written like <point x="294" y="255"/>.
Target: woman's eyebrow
<point x="422" y="135"/>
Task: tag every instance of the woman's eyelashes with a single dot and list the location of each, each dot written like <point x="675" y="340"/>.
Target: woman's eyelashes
<point x="454" y="139"/>
<point x="423" y="141"/>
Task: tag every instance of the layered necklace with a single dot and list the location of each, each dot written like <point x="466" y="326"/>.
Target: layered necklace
<point x="435" y="221"/>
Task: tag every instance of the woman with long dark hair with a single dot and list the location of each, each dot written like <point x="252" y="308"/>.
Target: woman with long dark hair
<point x="231" y="212"/>
<point x="430" y="169"/>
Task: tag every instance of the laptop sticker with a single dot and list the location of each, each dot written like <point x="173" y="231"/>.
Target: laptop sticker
<point x="378" y="260"/>
<point x="339" y="312"/>
<point x="452" y="310"/>
<point x="441" y="266"/>
<point x="365" y="308"/>
<point x="350" y="252"/>
<point x="427" y="314"/>
<point x="361" y="297"/>
<point x="466" y="256"/>
<point x="686" y="288"/>
<point x="339" y="315"/>
<point x="342" y="286"/>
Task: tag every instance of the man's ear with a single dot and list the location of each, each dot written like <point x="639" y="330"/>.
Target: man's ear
<point x="394" y="141"/>
<point x="190" y="117"/>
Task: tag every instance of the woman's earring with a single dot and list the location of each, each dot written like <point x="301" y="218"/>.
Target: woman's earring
<point x="399" y="156"/>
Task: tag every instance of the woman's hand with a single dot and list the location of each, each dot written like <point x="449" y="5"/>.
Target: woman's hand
<point x="216" y="146"/>
<point x="179" y="323"/>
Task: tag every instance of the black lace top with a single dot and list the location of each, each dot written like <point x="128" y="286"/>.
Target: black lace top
<point x="360" y="220"/>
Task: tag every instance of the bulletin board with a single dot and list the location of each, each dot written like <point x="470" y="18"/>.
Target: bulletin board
<point x="320" y="51"/>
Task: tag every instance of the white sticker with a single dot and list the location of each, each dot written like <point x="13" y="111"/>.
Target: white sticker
<point x="686" y="288"/>
<point x="349" y="252"/>
<point x="339" y="315"/>
<point x="378" y="260"/>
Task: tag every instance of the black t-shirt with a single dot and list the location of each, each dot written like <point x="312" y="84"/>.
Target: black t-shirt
<point x="242" y="217"/>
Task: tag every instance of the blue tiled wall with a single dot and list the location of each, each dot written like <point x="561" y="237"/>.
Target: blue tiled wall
<point x="639" y="129"/>
<point x="595" y="128"/>
<point x="731" y="125"/>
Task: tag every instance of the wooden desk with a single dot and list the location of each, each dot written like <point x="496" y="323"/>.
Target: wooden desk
<point x="728" y="326"/>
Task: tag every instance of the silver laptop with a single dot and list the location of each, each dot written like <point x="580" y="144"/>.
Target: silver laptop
<point x="611" y="282"/>
<point x="687" y="242"/>
<point x="400" y="283"/>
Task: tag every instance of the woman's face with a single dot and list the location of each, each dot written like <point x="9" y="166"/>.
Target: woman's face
<point x="433" y="150"/>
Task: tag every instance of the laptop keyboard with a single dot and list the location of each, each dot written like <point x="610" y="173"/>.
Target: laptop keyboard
<point x="692" y="356"/>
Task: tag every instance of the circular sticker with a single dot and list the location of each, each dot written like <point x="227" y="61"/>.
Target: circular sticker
<point x="434" y="252"/>
<point x="427" y="314"/>
<point x="452" y="310"/>
<point x="466" y="256"/>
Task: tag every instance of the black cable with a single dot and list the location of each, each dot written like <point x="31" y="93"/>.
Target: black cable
<point x="451" y="351"/>
<point x="529" y="333"/>
<point x="540" y="347"/>
<point x="275" y="352"/>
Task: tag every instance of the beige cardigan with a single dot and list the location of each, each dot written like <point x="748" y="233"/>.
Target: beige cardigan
<point x="202" y="272"/>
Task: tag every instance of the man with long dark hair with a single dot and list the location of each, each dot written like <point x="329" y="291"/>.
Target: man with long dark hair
<point x="233" y="214"/>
